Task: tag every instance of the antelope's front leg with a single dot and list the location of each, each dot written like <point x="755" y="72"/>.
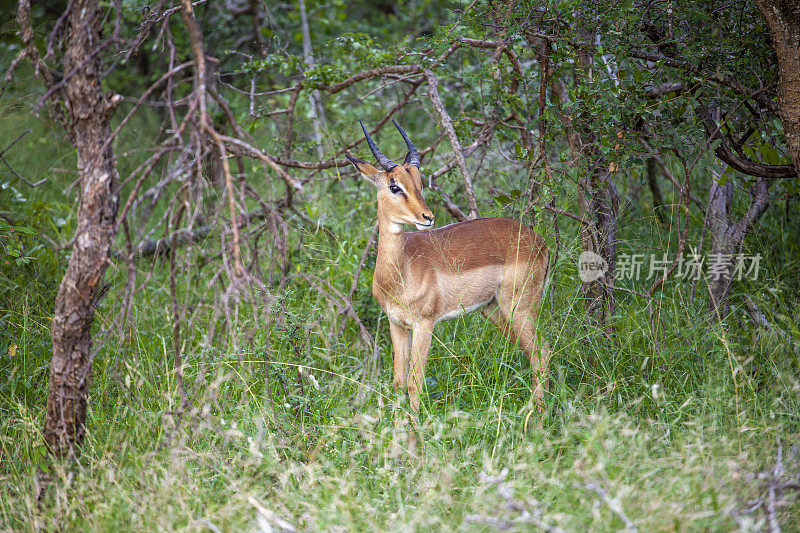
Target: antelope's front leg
<point x="401" y="342"/>
<point x="420" y="346"/>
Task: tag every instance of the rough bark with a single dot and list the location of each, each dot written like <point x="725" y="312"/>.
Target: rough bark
<point x="727" y="236"/>
<point x="717" y="213"/>
<point x="655" y="189"/>
<point x="87" y="115"/>
<point x="600" y="301"/>
<point x="783" y="20"/>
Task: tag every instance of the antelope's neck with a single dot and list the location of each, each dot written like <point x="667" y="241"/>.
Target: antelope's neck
<point x="391" y="250"/>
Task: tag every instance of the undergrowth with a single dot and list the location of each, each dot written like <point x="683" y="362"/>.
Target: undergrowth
<point x="663" y="419"/>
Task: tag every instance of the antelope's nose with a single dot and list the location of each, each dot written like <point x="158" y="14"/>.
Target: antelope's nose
<point x="428" y="216"/>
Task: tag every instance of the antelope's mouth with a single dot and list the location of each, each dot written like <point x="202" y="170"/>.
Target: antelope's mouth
<point x="426" y="225"/>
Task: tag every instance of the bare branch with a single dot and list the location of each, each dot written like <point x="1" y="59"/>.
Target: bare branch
<point x="20" y="176"/>
<point x="196" y="39"/>
<point x="12" y="143"/>
<point x="12" y="169"/>
<point x="343" y="303"/>
<point x="246" y="149"/>
<point x="670" y="176"/>
<point x="390" y="69"/>
<point x="447" y="123"/>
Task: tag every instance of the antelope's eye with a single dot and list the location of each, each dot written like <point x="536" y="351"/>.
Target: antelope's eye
<point x="395" y="189"/>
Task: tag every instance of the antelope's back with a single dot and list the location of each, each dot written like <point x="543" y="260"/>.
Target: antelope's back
<point x="476" y="244"/>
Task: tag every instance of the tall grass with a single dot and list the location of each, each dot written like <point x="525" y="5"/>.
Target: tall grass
<point x="673" y="417"/>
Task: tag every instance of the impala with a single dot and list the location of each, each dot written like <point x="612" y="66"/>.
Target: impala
<point x="493" y="264"/>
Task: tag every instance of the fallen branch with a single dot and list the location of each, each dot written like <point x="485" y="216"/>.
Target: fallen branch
<point x="178" y="238"/>
<point x="757" y="316"/>
<point x="163" y="246"/>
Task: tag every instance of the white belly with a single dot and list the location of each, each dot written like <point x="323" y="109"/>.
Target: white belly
<point x="462" y="311"/>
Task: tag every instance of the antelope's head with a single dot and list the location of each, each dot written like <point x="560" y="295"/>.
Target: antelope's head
<point x="399" y="186"/>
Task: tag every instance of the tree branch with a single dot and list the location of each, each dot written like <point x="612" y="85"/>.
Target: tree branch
<point x="196" y="39"/>
<point x="389" y="69"/>
<point x="723" y="80"/>
<point x="447" y="123"/>
<point x="727" y="154"/>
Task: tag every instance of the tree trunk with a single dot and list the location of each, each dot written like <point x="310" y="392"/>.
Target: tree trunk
<point x="88" y="112"/>
<point x="719" y="207"/>
<point x="783" y="19"/>
<point x="599" y="233"/>
<point x="317" y="111"/>
<point x="655" y="189"/>
<point x="727" y="237"/>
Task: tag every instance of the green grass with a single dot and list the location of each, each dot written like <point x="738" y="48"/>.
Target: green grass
<point x="676" y="431"/>
<point x="676" y="437"/>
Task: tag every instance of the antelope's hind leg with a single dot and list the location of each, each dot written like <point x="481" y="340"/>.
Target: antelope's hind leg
<point x="518" y="307"/>
<point x="520" y="327"/>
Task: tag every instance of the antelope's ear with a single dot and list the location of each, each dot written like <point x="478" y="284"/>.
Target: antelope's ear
<point x="367" y="170"/>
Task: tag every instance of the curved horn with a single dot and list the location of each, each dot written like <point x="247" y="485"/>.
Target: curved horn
<point x="412" y="150"/>
<point x="384" y="161"/>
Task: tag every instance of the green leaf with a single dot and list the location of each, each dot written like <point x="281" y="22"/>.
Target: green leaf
<point x="771" y="155"/>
